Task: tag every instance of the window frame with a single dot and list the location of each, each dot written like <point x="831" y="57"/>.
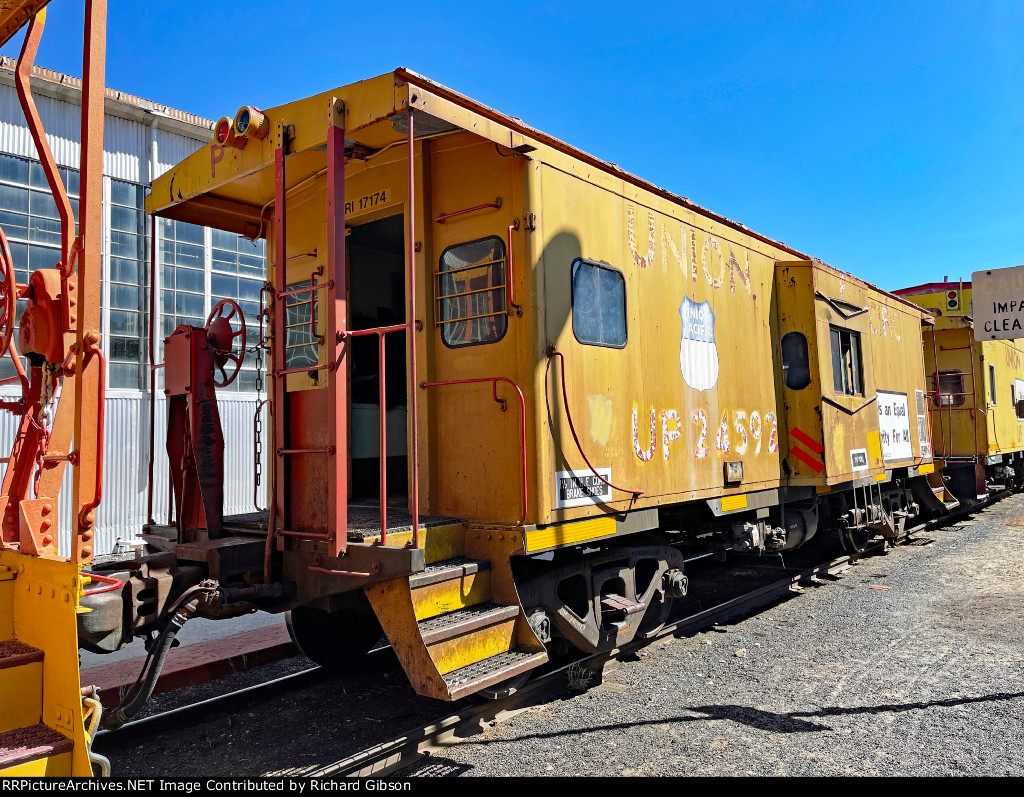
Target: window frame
<point x="572" y="301"/>
<point x="957" y="399"/>
<point x="440" y="297"/>
<point x="992" y="384"/>
<point x="857" y="353"/>
<point x="786" y="366"/>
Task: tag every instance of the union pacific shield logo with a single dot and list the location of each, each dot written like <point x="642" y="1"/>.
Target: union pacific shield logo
<point x="698" y="354"/>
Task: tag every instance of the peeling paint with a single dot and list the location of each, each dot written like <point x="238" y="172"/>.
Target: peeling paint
<point x="601" y="418"/>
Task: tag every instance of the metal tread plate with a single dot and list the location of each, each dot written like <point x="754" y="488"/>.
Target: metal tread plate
<point x="363" y="521"/>
<point x="460" y="616"/>
<point x="510" y="662"/>
<point x="448" y="570"/>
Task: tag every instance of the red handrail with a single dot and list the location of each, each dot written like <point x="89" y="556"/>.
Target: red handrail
<point x="509" y="276"/>
<point x="553" y="352"/>
<point x="504" y="404"/>
<point x="113" y="583"/>
<point x="380" y="332"/>
<point x="440" y="219"/>
<point x="93" y="349"/>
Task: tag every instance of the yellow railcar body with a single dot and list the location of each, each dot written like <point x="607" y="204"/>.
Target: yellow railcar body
<point x="983" y="420"/>
<point x="835" y="434"/>
<point x="659" y="416"/>
<point x="39" y="599"/>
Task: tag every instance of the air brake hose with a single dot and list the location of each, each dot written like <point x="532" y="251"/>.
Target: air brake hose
<point x="183" y="611"/>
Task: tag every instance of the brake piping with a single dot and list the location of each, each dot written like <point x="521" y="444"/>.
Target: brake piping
<point x="183" y="610"/>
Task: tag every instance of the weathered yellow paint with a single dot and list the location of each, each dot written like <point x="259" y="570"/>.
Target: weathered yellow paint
<point x="448" y="596"/>
<point x="874" y="446"/>
<point x="733" y="502"/>
<point x="43" y="601"/>
<point x="392" y="603"/>
<point x="57" y="766"/>
<point x="472" y="647"/>
<point x="986" y="416"/>
<point x="438" y="542"/>
<point x="812" y="299"/>
<point x="569" y="533"/>
<point x="21" y="695"/>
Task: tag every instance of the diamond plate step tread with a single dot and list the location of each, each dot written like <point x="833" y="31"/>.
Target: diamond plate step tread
<point x="474" y="677"/>
<point x="15" y="654"/>
<point x="30" y="743"/>
<point x="447" y="570"/>
<point x="462" y="621"/>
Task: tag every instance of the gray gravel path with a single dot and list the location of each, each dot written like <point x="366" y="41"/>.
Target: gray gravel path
<point x="924" y="676"/>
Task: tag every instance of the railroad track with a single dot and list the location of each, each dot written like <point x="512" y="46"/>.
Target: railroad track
<point x="413" y="744"/>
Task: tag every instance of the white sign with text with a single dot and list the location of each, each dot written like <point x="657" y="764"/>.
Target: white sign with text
<point x="894" y="426"/>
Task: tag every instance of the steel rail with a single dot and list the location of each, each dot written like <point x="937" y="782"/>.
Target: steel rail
<point x="176" y="718"/>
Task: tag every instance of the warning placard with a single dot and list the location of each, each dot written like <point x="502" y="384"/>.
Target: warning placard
<point x="581" y="487"/>
<point x="997" y="296"/>
<point x="894" y="426"/>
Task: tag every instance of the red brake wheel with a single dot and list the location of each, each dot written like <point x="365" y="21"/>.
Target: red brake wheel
<point x="222" y="338"/>
<point x="8" y="296"/>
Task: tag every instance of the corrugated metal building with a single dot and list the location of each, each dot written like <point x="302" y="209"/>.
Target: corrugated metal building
<point x="196" y="268"/>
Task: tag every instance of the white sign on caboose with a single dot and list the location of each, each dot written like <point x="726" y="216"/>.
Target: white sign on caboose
<point x="997" y="296"/>
<point x="894" y="426"/>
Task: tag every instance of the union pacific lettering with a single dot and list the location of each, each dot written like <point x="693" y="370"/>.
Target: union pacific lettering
<point x="718" y="260"/>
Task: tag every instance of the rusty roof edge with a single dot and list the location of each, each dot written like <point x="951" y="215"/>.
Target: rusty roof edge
<point x="58" y="84"/>
<point x="519" y="126"/>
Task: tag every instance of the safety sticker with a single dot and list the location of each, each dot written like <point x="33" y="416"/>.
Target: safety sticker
<point x="581" y="487"/>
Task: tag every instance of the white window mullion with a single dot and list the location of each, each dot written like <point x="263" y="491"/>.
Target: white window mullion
<point x="207" y="272"/>
<point x="105" y="276"/>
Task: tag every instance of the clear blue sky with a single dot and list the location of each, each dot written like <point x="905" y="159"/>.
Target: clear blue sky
<point x="885" y="138"/>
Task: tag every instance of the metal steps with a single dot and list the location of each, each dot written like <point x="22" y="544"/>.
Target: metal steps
<point x="27" y="746"/>
<point x="474" y="677"/>
<point x="455" y="638"/>
<point x="454" y="624"/>
<point x="35" y="750"/>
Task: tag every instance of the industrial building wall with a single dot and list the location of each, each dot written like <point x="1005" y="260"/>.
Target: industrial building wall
<point x="128" y="156"/>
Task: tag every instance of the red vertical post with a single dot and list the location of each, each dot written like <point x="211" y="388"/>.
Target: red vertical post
<point x="88" y="382"/>
<point x="383" y="445"/>
<point x="335" y="341"/>
<point x="276" y="501"/>
<point x="414" y="481"/>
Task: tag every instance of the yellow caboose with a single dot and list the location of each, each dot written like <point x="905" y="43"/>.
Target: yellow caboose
<point x="975" y="386"/>
<point x="853" y="386"/>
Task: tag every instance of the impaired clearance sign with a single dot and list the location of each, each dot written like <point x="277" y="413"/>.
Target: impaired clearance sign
<point x="998" y="303"/>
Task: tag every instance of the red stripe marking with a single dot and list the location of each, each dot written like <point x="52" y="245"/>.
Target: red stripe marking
<point x="807" y="440"/>
<point x="807" y="459"/>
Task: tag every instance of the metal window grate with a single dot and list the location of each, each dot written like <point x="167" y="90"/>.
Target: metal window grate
<point x="471" y="292"/>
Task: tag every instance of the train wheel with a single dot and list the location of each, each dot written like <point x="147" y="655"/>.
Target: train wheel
<point x="853" y="541"/>
<point x="337" y="641"/>
<point x="502" y="690"/>
<point x="655" y="616"/>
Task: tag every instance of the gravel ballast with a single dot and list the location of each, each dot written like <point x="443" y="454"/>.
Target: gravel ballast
<point x="912" y="664"/>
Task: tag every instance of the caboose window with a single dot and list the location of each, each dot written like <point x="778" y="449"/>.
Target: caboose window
<point x="795" y="367"/>
<point x="951" y="389"/>
<point x="598" y="305"/>
<point x="847" y="376"/>
<point x="471" y="293"/>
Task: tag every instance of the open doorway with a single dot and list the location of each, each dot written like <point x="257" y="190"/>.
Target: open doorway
<point x="376" y="297"/>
